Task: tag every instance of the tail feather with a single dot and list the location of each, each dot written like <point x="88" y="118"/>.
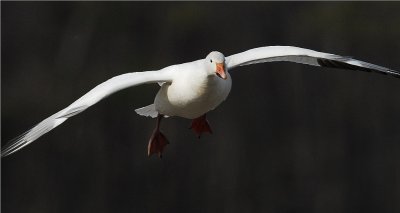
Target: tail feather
<point x="149" y="111"/>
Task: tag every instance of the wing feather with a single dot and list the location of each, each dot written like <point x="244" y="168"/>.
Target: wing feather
<point x="303" y="56"/>
<point x="92" y="97"/>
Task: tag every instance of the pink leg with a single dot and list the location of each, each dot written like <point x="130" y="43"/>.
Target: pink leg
<point x="157" y="140"/>
<point x="200" y="125"/>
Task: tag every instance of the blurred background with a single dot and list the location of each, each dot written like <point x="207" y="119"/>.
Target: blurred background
<point x="290" y="137"/>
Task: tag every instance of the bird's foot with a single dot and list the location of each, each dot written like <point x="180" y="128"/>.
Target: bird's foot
<point x="157" y="143"/>
<point x="200" y="125"/>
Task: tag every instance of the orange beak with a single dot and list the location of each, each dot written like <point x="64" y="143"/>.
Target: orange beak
<point x="221" y="70"/>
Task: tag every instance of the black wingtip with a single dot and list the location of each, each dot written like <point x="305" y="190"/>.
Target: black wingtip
<point x="341" y="64"/>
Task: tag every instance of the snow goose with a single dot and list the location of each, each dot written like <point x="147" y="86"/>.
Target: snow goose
<point x="189" y="90"/>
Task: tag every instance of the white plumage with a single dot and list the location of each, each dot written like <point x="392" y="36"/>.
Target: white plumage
<point x="191" y="89"/>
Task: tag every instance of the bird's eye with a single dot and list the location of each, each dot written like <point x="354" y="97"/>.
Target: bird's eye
<point x="211" y="60"/>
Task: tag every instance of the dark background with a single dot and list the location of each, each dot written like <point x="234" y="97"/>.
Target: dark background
<point x="290" y="137"/>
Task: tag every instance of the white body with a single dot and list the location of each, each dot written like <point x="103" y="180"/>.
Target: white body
<point x="192" y="93"/>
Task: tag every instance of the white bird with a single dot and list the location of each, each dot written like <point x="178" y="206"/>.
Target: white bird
<point x="189" y="90"/>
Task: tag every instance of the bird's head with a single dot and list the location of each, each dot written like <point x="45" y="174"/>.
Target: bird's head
<point x="215" y="63"/>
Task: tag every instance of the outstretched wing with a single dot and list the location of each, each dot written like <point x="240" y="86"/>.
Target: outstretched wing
<point x="92" y="97"/>
<point x="303" y="56"/>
